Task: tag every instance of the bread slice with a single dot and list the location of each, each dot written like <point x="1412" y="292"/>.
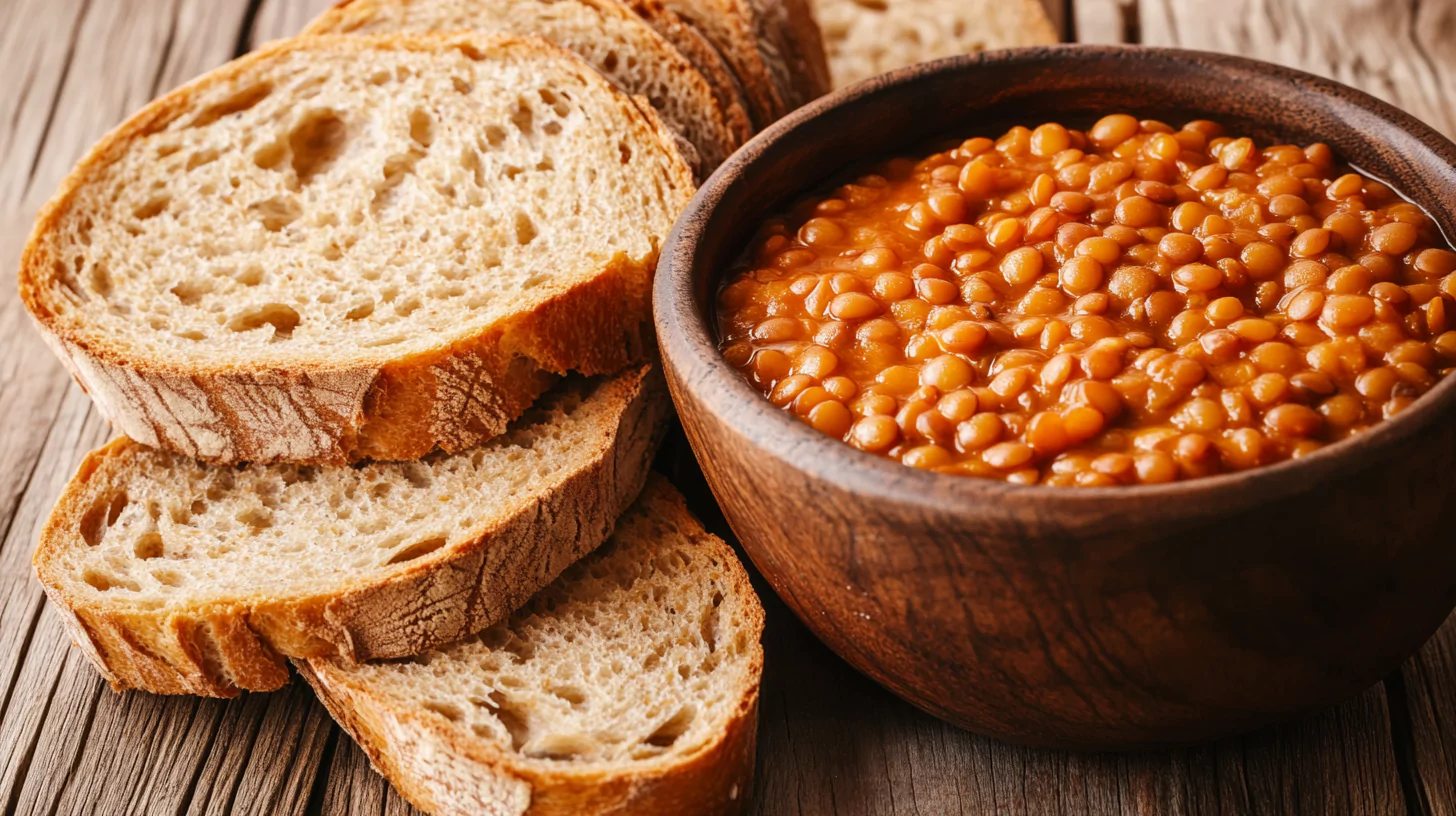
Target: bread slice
<point x="605" y="33"/>
<point x="183" y="578"/>
<point x="773" y="46"/>
<point x="700" y="52"/>
<point x="869" y="37"/>
<point x="629" y="686"/>
<point x="348" y="247"/>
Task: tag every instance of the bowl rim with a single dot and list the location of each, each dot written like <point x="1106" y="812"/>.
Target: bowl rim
<point x="689" y="344"/>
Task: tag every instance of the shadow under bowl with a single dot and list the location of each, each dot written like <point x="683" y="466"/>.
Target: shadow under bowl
<point x="1082" y="618"/>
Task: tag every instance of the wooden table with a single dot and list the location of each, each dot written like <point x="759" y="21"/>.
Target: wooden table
<point x="829" y="740"/>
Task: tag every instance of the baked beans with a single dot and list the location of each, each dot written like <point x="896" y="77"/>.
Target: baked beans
<point x="1130" y="304"/>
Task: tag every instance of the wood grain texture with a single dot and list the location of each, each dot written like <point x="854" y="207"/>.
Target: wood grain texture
<point x="1428" y="692"/>
<point x="830" y="740"/>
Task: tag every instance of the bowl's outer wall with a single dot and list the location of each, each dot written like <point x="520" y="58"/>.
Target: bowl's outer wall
<point x="1109" y="618"/>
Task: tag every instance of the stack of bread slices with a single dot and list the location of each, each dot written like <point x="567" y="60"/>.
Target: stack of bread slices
<point x="370" y="308"/>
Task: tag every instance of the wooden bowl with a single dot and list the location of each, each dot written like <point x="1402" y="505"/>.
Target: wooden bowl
<point x="1086" y="618"/>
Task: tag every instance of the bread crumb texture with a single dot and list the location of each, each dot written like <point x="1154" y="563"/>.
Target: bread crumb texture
<point x="605" y="33"/>
<point x="154" y="531"/>
<point x="340" y="200"/>
<point x="868" y="37"/>
<point x="641" y="654"/>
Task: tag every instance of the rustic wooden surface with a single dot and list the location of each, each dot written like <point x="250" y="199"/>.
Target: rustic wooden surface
<point x="830" y="741"/>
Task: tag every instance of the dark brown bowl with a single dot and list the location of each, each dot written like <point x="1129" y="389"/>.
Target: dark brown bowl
<point x="1093" y="618"/>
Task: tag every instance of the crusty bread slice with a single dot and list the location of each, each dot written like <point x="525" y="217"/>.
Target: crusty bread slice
<point x="773" y="46"/>
<point x="629" y="686"/>
<point x="700" y="52"/>
<point x="605" y="33"/>
<point x="347" y="247"/>
<point x="869" y="37"/>
<point x="183" y="578"/>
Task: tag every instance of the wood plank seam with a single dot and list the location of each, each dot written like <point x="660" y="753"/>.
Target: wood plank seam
<point x="23" y="771"/>
<point x="166" y="49"/>
<point x="1402" y="738"/>
<point x="320" y="787"/>
<point x="244" y="42"/>
<point x="185" y="805"/>
<point x="56" y="97"/>
<point x="38" y="602"/>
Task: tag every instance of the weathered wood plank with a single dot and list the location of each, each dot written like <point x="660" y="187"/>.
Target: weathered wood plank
<point x="284" y="18"/>
<point x="1105" y="22"/>
<point x="36" y="46"/>
<point x="1399" y="50"/>
<point x="355" y="787"/>
<point x="831" y="741"/>
<point x="266" y="755"/>
<point x="1429" y="681"/>
<point x="45" y="662"/>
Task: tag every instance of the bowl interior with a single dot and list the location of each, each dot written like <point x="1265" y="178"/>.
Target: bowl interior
<point x="903" y="111"/>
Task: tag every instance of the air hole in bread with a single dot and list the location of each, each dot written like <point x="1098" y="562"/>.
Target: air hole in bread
<point x="165" y="150"/>
<point x="268" y="157"/>
<point x="250" y="275"/>
<point x="258" y="518"/>
<point x="417" y="475"/>
<point x="525" y="229"/>
<point x="168" y="578"/>
<point x="280" y="316"/>
<point x="380" y="77"/>
<point x="152" y="207"/>
<point x="237" y="103"/>
<point x="100" y="279"/>
<point x="315" y="142"/>
<point x="552" y="128"/>
<point x="571" y="695"/>
<point x="191" y="291"/>
<point x="564" y="747"/>
<point x="202" y="157"/>
<point x="277" y="212"/>
<point x="148" y="545"/>
<point x="422" y="127"/>
<point x="495" y="135"/>
<point x="708" y="629"/>
<point x="407" y="307"/>
<point x="524" y="119"/>
<point x="361" y="311"/>
<point x="461" y="85"/>
<point x="396" y="168"/>
<point x="470" y="161"/>
<point x="419" y="549"/>
<point x="65" y="281"/>
<point x="515" y="720"/>
<point x="103" y="582"/>
<point x="103" y="513"/>
<point x="445" y="710"/>
<point x="470" y="51"/>
<point x="625" y="151"/>
<point x="669" y="732"/>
